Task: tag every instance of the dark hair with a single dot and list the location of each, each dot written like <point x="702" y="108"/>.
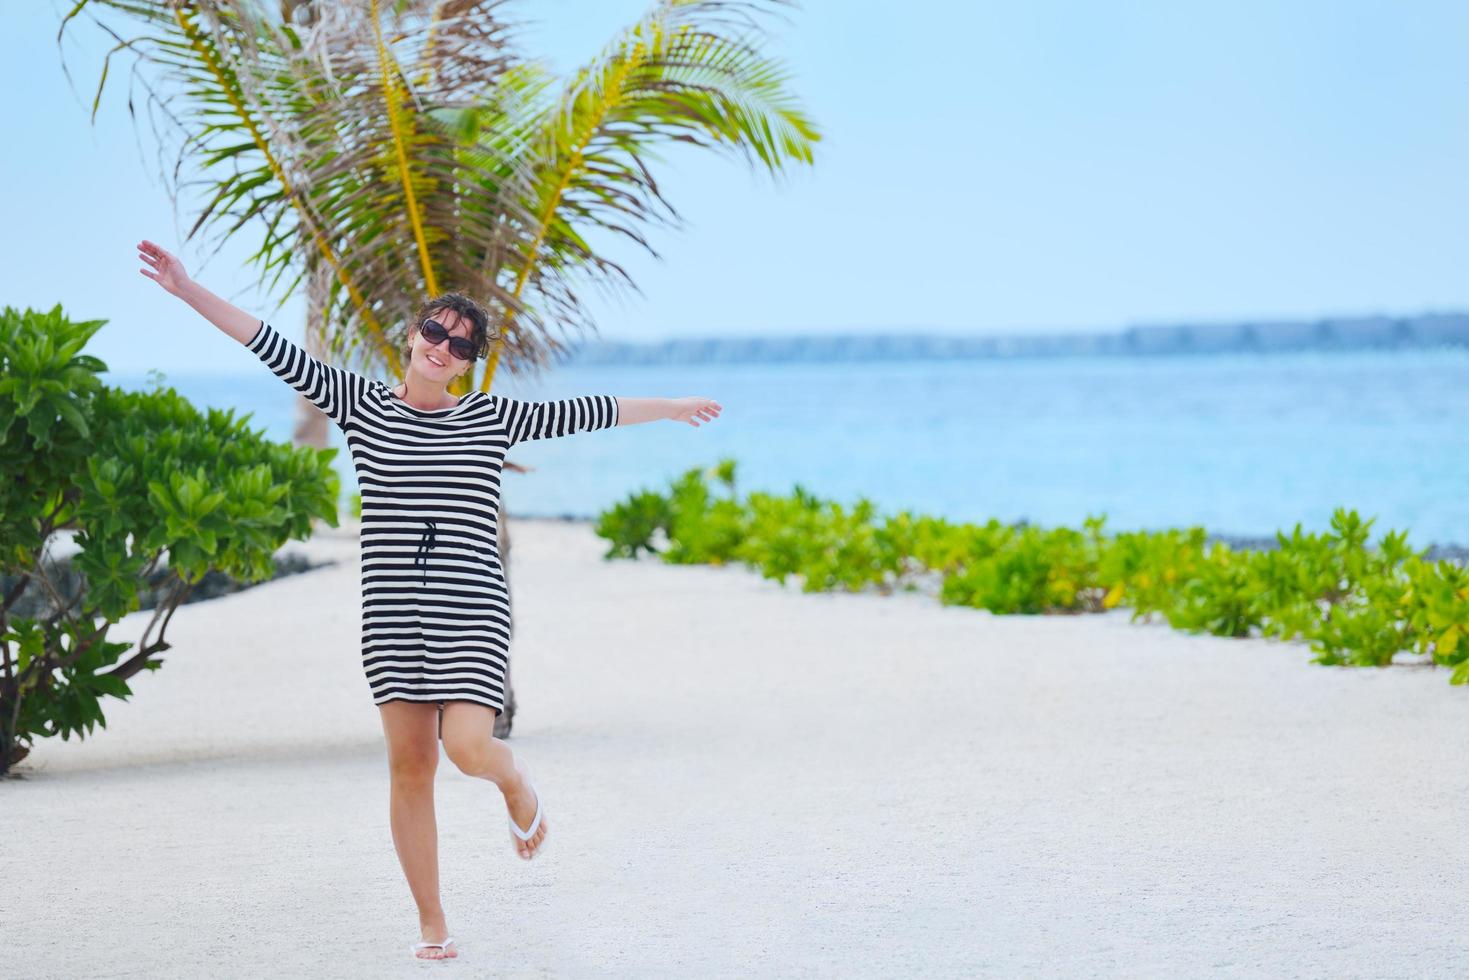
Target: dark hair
<point x="468" y="309"/>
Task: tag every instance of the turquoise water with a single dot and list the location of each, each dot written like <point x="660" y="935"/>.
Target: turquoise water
<point x="1241" y="444"/>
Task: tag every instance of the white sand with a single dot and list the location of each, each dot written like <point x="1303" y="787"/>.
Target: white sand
<point x="745" y="780"/>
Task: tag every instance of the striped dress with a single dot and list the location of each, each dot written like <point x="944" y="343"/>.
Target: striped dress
<point x="435" y="607"/>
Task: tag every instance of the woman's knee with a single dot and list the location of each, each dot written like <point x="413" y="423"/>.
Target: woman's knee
<point x="466" y="761"/>
<point x="468" y="752"/>
<point x="413" y="769"/>
<point x="469" y="735"/>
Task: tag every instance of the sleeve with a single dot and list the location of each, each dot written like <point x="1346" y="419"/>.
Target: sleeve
<point x="525" y="421"/>
<point x="333" y="390"/>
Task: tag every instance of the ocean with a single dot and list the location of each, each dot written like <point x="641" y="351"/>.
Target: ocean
<point x="1242" y="444"/>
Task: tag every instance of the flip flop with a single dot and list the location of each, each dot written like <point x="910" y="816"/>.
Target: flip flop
<point x="443" y="945"/>
<point x="535" y="823"/>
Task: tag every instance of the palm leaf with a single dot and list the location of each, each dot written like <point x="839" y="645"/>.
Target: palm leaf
<point x="407" y="149"/>
<point x="678" y="74"/>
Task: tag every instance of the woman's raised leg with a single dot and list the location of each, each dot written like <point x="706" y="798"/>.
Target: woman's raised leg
<point x="470" y="743"/>
<point x="412" y="729"/>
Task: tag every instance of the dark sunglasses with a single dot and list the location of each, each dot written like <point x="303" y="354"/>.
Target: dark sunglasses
<point x="461" y="347"/>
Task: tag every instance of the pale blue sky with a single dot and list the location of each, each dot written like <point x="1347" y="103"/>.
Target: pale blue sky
<point x="986" y="168"/>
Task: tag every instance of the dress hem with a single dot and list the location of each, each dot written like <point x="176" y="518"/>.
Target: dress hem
<point x="441" y="700"/>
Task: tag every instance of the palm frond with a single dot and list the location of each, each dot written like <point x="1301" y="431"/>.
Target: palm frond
<point x="327" y="136"/>
<point x="679" y="74"/>
<point x="408" y="150"/>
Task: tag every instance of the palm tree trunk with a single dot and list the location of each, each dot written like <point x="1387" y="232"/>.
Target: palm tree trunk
<point x="312" y="425"/>
<point x="505" y="718"/>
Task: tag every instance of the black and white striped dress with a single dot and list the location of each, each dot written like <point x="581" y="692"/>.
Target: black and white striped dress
<point x="435" y="608"/>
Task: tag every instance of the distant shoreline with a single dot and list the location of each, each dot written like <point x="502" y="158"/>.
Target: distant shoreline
<point x="1435" y="552"/>
<point x="1426" y="331"/>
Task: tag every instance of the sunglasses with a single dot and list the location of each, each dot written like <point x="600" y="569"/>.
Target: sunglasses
<point x="434" y="332"/>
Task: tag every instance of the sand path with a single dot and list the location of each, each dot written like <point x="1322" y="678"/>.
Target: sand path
<point x="744" y="780"/>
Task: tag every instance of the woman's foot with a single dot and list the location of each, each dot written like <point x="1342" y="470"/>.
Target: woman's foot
<point x="520" y="800"/>
<point x="436" y="933"/>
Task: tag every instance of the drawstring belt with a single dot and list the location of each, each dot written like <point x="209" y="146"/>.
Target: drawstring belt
<point x="424" y="544"/>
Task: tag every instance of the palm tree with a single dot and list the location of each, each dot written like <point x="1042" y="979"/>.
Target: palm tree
<point x="408" y="148"/>
<point x="392" y="150"/>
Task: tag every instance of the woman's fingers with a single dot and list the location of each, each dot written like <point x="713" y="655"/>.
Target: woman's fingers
<point x="155" y="257"/>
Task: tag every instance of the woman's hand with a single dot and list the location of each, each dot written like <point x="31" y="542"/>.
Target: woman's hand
<point x="168" y="271"/>
<point x="688" y="409"/>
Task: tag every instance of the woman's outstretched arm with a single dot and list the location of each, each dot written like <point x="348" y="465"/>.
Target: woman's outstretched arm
<point x="169" y="273"/>
<point x="635" y="410"/>
<point x="527" y="420"/>
<point x="333" y="390"/>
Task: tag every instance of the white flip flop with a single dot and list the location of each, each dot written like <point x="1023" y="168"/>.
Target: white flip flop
<point x="443" y="945"/>
<point x="535" y="823"/>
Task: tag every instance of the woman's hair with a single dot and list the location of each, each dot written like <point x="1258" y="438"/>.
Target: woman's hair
<point x="468" y="310"/>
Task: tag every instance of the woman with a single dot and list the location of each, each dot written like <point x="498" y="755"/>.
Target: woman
<point x="435" y="615"/>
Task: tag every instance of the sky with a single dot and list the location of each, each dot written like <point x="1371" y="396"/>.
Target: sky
<point x="984" y="168"/>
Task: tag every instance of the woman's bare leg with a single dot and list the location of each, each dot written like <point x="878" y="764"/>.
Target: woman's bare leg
<point x="470" y="743"/>
<point x="412" y="729"/>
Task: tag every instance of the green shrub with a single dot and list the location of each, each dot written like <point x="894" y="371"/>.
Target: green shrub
<point x="1032" y="571"/>
<point x="1147" y="570"/>
<point x="779" y="532"/>
<point x="1436" y="605"/>
<point x="1221" y="596"/>
<point x="1354" y="605"/>
<point x="145" y="481"/>
<point x="630" y="526"/>
<point x="703" y="528"/>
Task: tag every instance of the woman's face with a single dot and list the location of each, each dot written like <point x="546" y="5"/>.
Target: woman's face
<point x="433" y="361"/>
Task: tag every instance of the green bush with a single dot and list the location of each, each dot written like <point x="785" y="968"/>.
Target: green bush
<point x="1031" y="570"/>
<point x="630" y="526"/>
<point x="822" y="542"/>
<point x="703" y="528"/>
<point x="1220" y="596"/>
<point x="1355" y="605"/>
<point x="1436" y="606"/>
<point x="145" y="481"/>
<point x="1146" y="570"/>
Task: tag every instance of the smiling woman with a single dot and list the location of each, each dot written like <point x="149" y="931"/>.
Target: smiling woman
<point x="435" y="616"/>
<point x="436" y="623"/>
<point x="447" y="335"/>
